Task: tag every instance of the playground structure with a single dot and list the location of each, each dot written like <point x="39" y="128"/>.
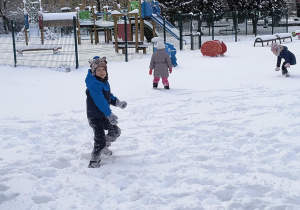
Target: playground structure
<point x="151" y="10"/>
<point x="297" y="33"/>
<point x="138" y="45"/>
<point x="138" y="13"/>
<point x="124" y="31"/>
<point x="55" y="20"/>
<point x="213" y="48"/>
<point x="89" y="19"/>
<point x="142" y="12"/>
<point x="30" y="17"/>
<point x="35" y="20"/>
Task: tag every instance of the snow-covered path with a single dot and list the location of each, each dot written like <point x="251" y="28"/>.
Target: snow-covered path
<point x="225" y="136"/>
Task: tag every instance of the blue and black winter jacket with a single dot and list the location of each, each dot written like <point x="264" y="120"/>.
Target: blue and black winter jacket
<point x="98" y="98"/>
<point x="287" y="55"/>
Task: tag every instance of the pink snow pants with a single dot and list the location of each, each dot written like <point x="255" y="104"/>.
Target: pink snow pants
<point x="164" y="80"/>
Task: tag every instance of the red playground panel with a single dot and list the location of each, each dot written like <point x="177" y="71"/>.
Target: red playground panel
<point x="297" y="33"/>
<point x="213" y="48"/>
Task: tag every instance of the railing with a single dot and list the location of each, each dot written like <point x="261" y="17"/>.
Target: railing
<point x="193" y="28"/>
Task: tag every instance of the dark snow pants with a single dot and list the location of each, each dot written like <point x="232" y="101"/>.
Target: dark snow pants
<point x="284" y="69"/>
<point x="99" y="126"/>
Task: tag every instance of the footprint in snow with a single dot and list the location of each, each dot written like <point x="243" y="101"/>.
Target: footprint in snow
<point x="41" y="199"/>
<point x="4" y="198"/>
<point x="3" y="187"/>
<point x="61" y="163"/>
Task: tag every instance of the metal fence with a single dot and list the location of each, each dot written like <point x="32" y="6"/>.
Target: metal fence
<point x="200" y="27"/>
<point x="192" y="31"/>
<point x="70" y="55"/>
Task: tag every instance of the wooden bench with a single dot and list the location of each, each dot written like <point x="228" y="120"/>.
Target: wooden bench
<point x="231" y="30"/>
<point x="266" y="38"/>
<point x="54" y="48"/>
<point x="283" y="36"/>
<point x="131" y="44"/>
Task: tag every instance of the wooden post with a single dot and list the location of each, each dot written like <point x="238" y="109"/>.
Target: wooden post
<point x="131" y="29"/>
<point x="154" y="27"/>
<point x="141" y="23"/>
<point x="91" y="34"/>
<point x="95" y="28"/>
<point x="42" y="34"/>
<point x="116" y="33"/>
<point x="109" y="35"/>
<point x="136" y="32"/>
<point x="26" y="37"/>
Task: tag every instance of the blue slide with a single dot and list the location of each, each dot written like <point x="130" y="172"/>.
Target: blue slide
<point x="169" y="27"/>
<point x="152" y="10"/>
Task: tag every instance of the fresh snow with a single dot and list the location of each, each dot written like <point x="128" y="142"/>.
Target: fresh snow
<point x="115" y="12"/>
<point x="225" y="136"/>
<point x="266" y="37"/>
<point x="59" y="16"/>
<point x="134" y="11"/>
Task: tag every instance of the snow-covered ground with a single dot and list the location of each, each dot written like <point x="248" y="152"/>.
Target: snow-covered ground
<point x="225" y="136"/>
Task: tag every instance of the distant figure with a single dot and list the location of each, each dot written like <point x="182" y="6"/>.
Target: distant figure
<point x="161" y="63"/>
<point x="282" y="52"/>
<point x="266" y="22"/>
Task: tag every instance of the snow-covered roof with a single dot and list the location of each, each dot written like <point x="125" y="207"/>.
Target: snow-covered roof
<point x="59" y="16"/>
<point x="65" y="8"/>
<point x="115" y="12"/>
<point x="134" y="11"/>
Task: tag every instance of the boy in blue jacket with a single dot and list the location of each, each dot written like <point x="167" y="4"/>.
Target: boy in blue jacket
<point x="98" y="109"/>
<point x="282" y="52"/>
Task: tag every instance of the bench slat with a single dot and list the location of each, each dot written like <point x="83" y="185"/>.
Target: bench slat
<point x="284" y="36"/>
<point x="38" y="48"/>
<point x="266" y="38"/>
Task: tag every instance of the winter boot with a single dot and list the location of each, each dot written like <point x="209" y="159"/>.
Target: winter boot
<point x="284" y="71"/>
<point x="94" y="164"/>
<point x="95" y="161"/>
<point x="155" y="85"/>
<point x="166" y="87"/>
<point x="113" y="134"/>
<point x="106" y="151"/>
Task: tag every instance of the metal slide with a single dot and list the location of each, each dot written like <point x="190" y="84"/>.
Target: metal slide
<point x="169" y="27"/>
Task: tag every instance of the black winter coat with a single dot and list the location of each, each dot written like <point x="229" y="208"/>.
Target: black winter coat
<point x="287" y="55"/>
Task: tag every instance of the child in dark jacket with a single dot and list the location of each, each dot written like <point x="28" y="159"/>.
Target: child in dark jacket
<point x="282" y="52"/>
<point x="160" y="62"/>
<point x="99" y="113"/>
